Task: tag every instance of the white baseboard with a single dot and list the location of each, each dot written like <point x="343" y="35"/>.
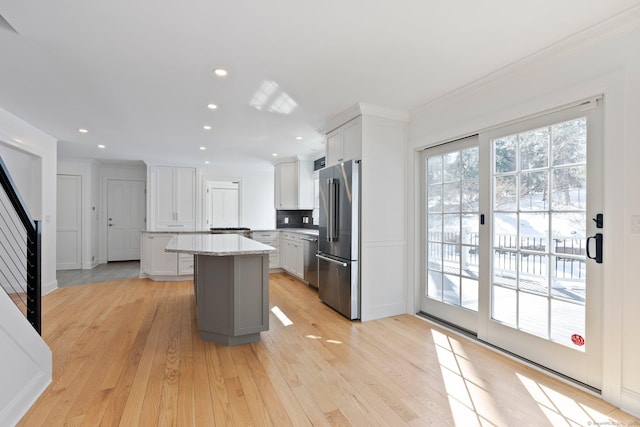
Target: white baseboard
<point x="630" y="402"/>
<point x="24" y="400"/>
<point x="49" y="287"/>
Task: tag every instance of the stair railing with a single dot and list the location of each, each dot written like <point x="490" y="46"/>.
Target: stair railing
<point x="20" y="251"/>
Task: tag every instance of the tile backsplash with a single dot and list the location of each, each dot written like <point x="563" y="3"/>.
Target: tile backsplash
<point x="295" y="219"/>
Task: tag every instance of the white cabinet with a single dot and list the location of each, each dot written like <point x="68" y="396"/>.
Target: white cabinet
<point x="344" y="143"/>
<point x="271" y="238"/>
<point x="155" y="261"/>
<point x="174" y="198"/>
<point x="292" y="254"/>
<point x="294" y="185"/>
<point x="157" y="264"/>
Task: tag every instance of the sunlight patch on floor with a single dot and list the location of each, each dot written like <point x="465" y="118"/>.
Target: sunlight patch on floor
<point x="561" y="409"/>
<point x="281" y="316"/>
<point x="471" y="404"/>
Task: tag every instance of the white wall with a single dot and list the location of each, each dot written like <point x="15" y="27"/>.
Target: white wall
<point x="25" y="360"/>
<point x="256" y="191"/>
<point x="21" y="165"/>
<point x="603" y="60"/>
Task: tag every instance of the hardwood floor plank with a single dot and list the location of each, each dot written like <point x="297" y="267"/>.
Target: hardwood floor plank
<point x="127" y="353"/>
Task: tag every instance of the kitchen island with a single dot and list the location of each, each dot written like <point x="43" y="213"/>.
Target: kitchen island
<point x="231" y="285"/>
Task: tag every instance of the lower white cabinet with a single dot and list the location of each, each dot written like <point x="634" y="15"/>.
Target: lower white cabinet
<point x="292" y="254"/>
<point x="155" y="263"/>
<point x="271" y="238"/>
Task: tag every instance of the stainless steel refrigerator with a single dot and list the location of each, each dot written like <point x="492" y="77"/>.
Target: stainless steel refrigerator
<point x="339" y="238"/>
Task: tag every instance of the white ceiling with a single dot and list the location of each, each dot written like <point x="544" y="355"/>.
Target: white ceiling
<point x="138" y="73"/>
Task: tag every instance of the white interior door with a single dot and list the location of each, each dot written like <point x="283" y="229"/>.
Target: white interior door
<point x="509" y="227"/>
<point x="223" y="204"/>
<point x="126" y="214"/>
<point x="69" y="222"/>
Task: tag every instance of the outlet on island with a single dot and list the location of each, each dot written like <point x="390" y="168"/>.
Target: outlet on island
<point x="286" y="220"/>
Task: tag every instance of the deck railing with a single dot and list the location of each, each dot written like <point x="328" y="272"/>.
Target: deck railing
<point x="20" y="249"/>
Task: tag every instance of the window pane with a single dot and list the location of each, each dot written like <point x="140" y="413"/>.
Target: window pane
<point x="470" y="229"/>
<point x="503" y="302"/>
<point x="451" y="197"/>
<point x="566" y="320"/>
<point x="434" y="198"/>
<point x="569" y="142"/>
<point x="470" y="164"/>
<point x="534" y="191"/>
<point x="469" y="288"/>
<point x="568" y="281"/>
<point x="505" y="154"/>
<point x="469" y="261"/>
<point x="569" y="188"/>
<point x="451" y="228"/>
<point x="534" y="149"/>
<point x="534" y="314"/>
<point x="434" y="227"/>
<point x="505" y="268"/>
<point x="434" y="170"/>
<point x="451" y="258"/>
<point x="452" y="167"/>
<point x="505" y="228"/>
<point x="533" y="273"/>
<point x="434" y="285"/>
<point x="470" y="196"/>
<point x="434" y="256"/>
<point x="451" y="289"/>
<point x="534" y="231"/>
<point x="505" y="190"/>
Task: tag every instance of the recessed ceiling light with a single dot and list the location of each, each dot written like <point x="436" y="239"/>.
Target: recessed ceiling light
<point x="203" y="148"/>
<point x="101" y="146"/>
<point x="206" y="162"/>
<point x="275" y="154"/>
<point x="206" y="127"/>
<point x="82" y="130"/>
<point x="212" y="106"/>
<point x="220" y="72"/>
<point x="298" y="138"/>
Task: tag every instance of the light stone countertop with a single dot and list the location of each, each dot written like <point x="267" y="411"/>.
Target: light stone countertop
<point x="217" y="245"/>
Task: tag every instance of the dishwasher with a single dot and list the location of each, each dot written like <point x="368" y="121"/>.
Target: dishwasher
<point x="310" y="260"/>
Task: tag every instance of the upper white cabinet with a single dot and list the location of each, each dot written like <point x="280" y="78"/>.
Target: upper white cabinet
<point x="345" y="142"/>
<point x="294" y="185"/>
<point x="173" y="197"/>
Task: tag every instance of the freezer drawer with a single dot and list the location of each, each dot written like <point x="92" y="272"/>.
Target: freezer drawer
<point x="339" y="285"/>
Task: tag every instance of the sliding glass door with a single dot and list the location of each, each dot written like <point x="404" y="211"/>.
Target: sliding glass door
<point x="507" y="221"/>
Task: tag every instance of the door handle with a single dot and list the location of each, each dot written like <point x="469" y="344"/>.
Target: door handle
<point x="598" y="256"/>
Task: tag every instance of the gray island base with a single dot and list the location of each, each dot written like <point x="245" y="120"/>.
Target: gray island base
<point x="231" y="286"/>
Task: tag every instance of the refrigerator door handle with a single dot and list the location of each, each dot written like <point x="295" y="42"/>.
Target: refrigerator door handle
<point x="332" y="226"/>
<point x="344" y="264"/>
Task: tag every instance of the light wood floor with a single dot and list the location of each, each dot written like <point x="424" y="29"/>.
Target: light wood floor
<point x="127" y="353"/>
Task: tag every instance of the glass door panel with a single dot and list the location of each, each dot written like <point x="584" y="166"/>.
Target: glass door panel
<point x="545" y="185"/>
<point x="451" y="240"/>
